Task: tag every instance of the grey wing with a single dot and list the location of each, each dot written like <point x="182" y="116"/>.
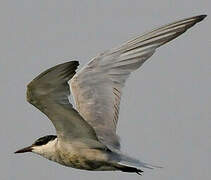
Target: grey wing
<point x="49" y="93"/>
<point x="97" y="88"/>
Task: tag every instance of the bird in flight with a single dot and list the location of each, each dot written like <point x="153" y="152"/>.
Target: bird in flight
<point x="86" y="135"/>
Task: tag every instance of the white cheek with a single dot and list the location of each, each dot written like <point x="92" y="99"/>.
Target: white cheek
<point x="38" y="150"/>
<point x="46" y="150"/>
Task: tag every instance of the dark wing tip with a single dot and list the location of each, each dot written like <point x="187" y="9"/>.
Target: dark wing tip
<point x="71" y="65"/>
<point x="200" y="17"/>
<point x="67" y="64"/>
<point x="51" y="80"/>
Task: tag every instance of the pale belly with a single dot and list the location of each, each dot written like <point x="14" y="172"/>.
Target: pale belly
<point x="88" y="159"/>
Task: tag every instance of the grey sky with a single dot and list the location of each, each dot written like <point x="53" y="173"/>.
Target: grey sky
<point x="165" y="116"/>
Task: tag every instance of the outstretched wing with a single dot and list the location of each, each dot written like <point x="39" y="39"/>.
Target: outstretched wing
<point x="49" y="93"/>
<point x="97" y="88"/>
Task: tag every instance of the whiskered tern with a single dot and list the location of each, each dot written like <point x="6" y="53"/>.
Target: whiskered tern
<point x="86" y="135"/>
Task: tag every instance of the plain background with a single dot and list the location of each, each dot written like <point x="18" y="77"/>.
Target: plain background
<point x="165" y="116"/>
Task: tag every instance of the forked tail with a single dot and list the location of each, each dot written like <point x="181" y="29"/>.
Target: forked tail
<point x="127" y="160"/>
<point x="129" y="164"/>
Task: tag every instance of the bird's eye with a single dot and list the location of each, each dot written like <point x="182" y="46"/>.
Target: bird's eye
<point x="39" y="142"/>
<point x="44" y="140"/>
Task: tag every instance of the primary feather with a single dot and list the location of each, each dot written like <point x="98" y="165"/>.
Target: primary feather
<point x="97" y="88"/>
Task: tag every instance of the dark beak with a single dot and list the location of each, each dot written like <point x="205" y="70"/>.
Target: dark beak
<point x="26" y="149"/>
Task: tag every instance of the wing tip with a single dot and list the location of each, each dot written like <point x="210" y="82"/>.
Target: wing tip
<point x="76" y="63"/>
<point x="201" y="17"/>
<point x="66" y="65"/>
<point x="67" y="70"/>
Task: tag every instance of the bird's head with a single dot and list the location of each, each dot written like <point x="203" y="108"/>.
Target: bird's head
<point x="42" y="146"/>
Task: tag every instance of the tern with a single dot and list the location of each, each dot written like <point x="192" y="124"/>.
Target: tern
<point x="86" y="135"/>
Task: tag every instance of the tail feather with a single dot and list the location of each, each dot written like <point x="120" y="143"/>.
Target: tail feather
<point x="129" y="161"/>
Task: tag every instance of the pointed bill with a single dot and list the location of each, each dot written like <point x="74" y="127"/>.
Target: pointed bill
<point x="23" y="150"/>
